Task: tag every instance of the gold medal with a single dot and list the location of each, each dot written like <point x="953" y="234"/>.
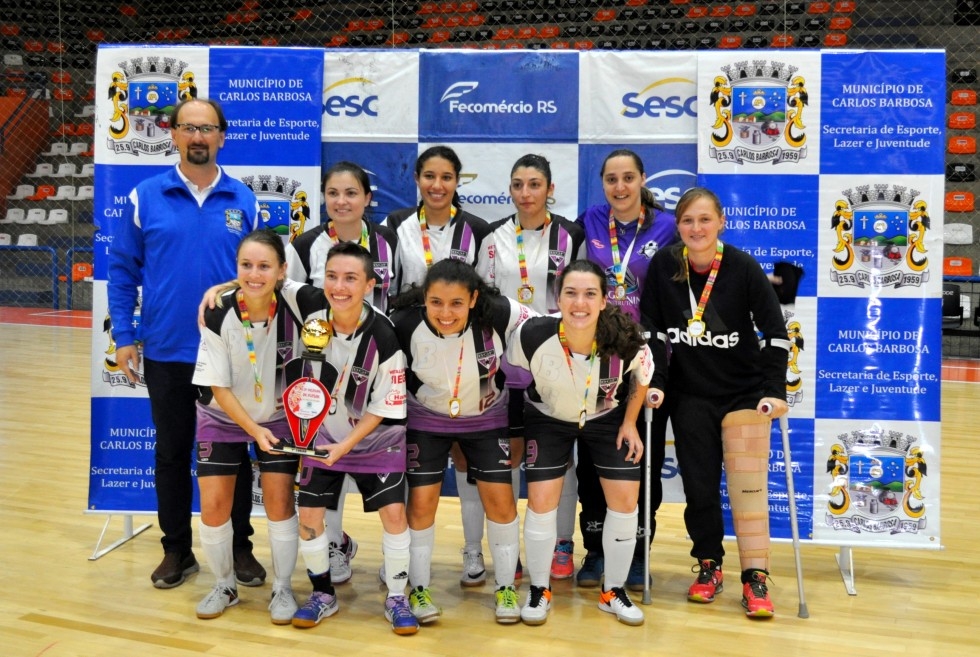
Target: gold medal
<point x="695" y="328"/>
<point x="581" y="418"/>
<point x="525" y="294"/>
<point x="258" y="392"/>
<point x="454" y="407"/>
<point x="620" y="292"/>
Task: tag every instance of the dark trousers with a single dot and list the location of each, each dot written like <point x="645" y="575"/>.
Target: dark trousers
<point x="700" y="453"/>
<point x="173" y="404"/>
<point x="593" y="500"/>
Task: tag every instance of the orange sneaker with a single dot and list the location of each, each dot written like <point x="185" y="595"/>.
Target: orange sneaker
<point x="708" y="583"/>
<point x="755" y="594"/>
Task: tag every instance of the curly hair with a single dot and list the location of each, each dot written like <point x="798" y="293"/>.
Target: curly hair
<point x="452" y="272"/>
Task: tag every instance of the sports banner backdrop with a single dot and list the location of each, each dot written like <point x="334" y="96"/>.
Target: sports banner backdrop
<point x="829" y="160"/>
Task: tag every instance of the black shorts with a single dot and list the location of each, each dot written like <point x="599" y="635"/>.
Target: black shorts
<point x="548" y="446"/>
<point x="487" y="456"/>
<point x="320" y="488"/>
<point x="515" y="413"/>
<point x="217" y="459"/>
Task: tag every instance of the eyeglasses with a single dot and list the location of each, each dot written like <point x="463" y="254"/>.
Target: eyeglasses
<point x="190" y="128"/>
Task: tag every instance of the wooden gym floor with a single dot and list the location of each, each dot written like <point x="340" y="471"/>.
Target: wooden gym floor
<point x="57" y="603"/>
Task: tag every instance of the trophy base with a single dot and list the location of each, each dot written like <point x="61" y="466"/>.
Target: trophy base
<point x="302" y="451"/>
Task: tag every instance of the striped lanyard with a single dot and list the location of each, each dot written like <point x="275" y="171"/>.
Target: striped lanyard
<point x="696" y="325"/>
<point x="247" y="326"/>
<point x="350" y="355"/>
<point x="588" y="379"/>
<point x="525" y="293"/>
<point x="364" y="241"/>
<point x="619" y="267"/>
<point x="426" y="244"/>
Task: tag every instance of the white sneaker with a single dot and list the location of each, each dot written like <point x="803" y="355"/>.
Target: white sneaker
<point x="507" y="608"/>
<point x="535" y="611"/>
<point x="340" y="556"/>
<point x="214" y="603"/>
<point x="282" y="607"/>
<point x="617" y="601"/>
<point x="474" y="570"/>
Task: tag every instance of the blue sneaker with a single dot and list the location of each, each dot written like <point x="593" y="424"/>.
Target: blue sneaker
<point x="400" y="616"/>
<point x="319" y="606"/>
<point x="593" y="567"/>
<point x="634" y="580"/>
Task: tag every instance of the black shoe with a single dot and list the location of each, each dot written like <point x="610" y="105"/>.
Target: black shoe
<point x="248" y="571"/>
<point x="173" y="570"/>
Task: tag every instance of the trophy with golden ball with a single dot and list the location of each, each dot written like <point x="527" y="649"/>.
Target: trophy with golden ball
<point x="306" y="400"/>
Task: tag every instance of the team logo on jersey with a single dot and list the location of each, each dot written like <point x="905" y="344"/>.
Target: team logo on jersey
<point x="359" y="375"/>
<point x="557" y="257"/>
<point x="284" y="349"/>
<point x="234" y="220"/>
<point x="760" y="106"/>
<point x="881" y="237"/>
<point x="458" y="254"/>
<point x="143" y="92"/>
<point x="283" y="206"/>
<point x="876" y="479"/>
<point x="487" y="360"/>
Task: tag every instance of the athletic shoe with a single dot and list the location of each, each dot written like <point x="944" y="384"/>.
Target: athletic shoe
<point x="214" y="603"/>
<point x="320" y="605"/>
<point x="535" y="611"/>
<point x="508" y="608"/>
<point x="282" y="607"/>
<point x="562" y="562"/>
<point x="340" y="556"/>
<point x="474" y="570"/>
<point x="755" y="594"/>
<point x="173" y="570"/>
<point x="708" y="583"/>
<point x="398" y="613"/>
<point x="420" y="601"/>
<point x="518" y="572"/>
<point x="617" y="601"/>
<point x="593" y="567"/>
<point x="248" y="571"/>
<point x="634" y="580"/>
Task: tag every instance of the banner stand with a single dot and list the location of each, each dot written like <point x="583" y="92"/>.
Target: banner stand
<point x="128" y="534"/>
<point x="845" y="563"/>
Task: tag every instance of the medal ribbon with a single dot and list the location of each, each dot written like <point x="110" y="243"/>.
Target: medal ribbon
<point x="459" y="372"/>
<point x="364" y="241"/>
<point x="619" y="268"/>
<point x="521" y="260"/>
<point x="706" y="292"/>
<point x="247" y="326"/>
<point x="568" y="359"/>
<point x="426" y="244"/>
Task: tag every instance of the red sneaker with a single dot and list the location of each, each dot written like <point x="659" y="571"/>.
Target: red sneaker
<point x="562" y="564"/>
<point x="708" y="583"/>
<point x="755" y="594"/>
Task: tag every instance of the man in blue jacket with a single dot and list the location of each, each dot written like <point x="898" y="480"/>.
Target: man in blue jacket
<point x="178" y="236"/>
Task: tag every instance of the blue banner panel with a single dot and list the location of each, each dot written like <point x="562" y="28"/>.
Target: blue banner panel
<point x="774" y="218"/>
<point x="879" y="358"/>
<point x="884" y="112"/>
<point x="272" y="98"/>
<point x="494" y="97"/>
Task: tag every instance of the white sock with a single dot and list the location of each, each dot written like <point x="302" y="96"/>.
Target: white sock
<point x="505" y="548"/>
<point x="396" y="549"/>
<point x="335" y="519"/>
<point x="217" y="545"/>
<point x="284" y="541"/>
<point x="568" y="506"/>
<point x="618" y="543"/>
<point x="316" y="554"/>
<point x="539" y="545"/>
<point x="471" y="511"/>
<point x="420" y="556"/>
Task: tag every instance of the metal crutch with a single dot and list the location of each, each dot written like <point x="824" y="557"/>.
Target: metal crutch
<point x="648" y="471"/>
<point x="791" y="492"/>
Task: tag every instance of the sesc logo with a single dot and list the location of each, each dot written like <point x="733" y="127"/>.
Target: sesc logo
<point x="682" y="101"/>
<point x="353" y="105"/>
<point x="668" y="186"/>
